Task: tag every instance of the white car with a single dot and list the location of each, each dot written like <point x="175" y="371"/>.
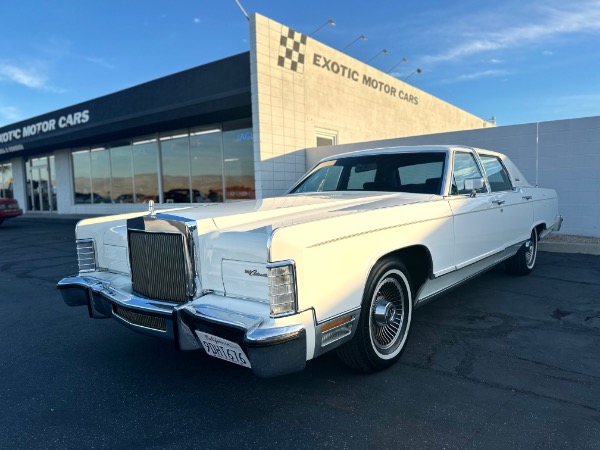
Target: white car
<point x="340" y="261"/>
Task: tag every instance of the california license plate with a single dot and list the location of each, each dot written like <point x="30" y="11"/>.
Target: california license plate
<point x="223" y="349"/>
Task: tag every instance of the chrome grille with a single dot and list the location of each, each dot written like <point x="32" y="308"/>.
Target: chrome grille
<point x="86" y="255"/>
<point x="144" y="320"/>
<point x="159" y="265"/>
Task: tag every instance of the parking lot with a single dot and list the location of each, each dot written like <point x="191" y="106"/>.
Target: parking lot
<point x="501" y="362"/>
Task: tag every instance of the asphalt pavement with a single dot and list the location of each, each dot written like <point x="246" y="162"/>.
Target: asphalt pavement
<point x="501" y="362"/>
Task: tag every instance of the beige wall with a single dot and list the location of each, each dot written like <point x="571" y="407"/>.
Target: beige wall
<point x="300" y="86"/>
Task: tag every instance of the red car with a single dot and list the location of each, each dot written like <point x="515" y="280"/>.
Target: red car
<point x="9" y="208"/>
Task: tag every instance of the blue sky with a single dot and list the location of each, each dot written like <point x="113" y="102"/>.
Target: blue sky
<point x="520" y="61"/>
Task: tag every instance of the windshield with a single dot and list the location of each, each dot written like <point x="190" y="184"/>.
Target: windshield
<point x="401" y="172"/>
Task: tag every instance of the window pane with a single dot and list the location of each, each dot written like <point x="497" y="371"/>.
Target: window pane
<point x="122" y="174"/>
<point x="497" y="174"/>
<point x="176" y="169"/>
<point x="360" y="175"/>
<point x="238" y="154"/>
<point x="145" y="163"/>
<point x="465" y="168"/>
<point x="81" y="177"/>
<point x="324" y="178"/>
<point x="207" y="167"/>
<point x="101" y="190"/>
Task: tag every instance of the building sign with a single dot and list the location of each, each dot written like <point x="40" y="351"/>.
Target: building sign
<point x="292" y="47"/>
<point x="365" y="80"/>
<point x="36" y="129"/>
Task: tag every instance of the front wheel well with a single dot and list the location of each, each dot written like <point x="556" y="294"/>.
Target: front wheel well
<point x="418" y="263"/>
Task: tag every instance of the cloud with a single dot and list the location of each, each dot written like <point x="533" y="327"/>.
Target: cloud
<point x="547" y="53"/>
<point x="196" y="20"/>
<point x="482" y="74"/>
<point x="25" y="77"/>
<point x="583" y="18"/>
<point x="100" y="62"/>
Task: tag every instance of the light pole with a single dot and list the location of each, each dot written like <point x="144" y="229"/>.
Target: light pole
<point x="403" y="60"/>
<point x="242" y="9"/>
<point x="384" y="51"/>
<point x="416" y="71"/>
<point x="362" y="36"/>
<point x="329" y="22"/>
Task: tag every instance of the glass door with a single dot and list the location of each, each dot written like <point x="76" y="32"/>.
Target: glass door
<point x="41" y="184"/>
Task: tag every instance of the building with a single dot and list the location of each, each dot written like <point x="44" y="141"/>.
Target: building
<point x="228" y="130"/>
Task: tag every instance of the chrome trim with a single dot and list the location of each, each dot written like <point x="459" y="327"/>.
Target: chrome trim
<point x="476" y="269"/>
<point x="319" y="347"/>
<point x="170" y="224"/>
<point x="82" y="245"/>
<point x="287" y="262"/>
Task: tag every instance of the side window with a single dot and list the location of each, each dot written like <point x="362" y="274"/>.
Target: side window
<point x="325" y="178"/>
<point x="466" y="175"/>
<point x="497" y="173"/>
<point x="361" y="174"/>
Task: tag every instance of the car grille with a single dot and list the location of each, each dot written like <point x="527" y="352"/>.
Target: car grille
<point x="159" y="265"/>
<point x="144" y="320"/>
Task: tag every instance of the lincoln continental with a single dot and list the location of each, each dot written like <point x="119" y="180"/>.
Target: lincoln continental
<point x="339" y="262"/>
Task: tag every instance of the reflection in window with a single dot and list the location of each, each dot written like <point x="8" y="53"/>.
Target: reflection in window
<point x="122" y="173"/>
<point x="238" y="158"/>
<point x="82" y="177"/>
<point x="176" y="168"/>
<point x="207" y="166"/>
<point x="465" y="168"/>
<point x="145" y="171"/>
<point x="101" y="178"/>
<point x="496" y="173"/>
<point x="197" y="166"/>
<point x="6" y="188"/>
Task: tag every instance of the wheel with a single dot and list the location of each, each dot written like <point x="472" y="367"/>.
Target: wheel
<point x="384" y="320"/>
<point x="523" y="261"/>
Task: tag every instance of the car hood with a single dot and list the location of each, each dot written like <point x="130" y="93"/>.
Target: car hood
<point x="270" y="213"/>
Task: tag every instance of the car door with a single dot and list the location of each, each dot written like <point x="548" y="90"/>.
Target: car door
<point x="515" y="207"/>
<point x="476" y="216"/>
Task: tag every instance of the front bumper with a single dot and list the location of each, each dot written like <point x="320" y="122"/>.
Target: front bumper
<point x="6" y="214"/>
<point x="272" y="350"/>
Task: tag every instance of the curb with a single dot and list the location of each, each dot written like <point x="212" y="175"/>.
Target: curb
<point x="570" y="247"/>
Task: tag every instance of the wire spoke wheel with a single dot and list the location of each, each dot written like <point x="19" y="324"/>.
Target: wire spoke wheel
<point x="387" y="313"/>
<point x="384" y="321"/>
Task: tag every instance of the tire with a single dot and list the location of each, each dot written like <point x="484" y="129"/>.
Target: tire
<point x="384" y="322"/>
<point x="523" y="262"/>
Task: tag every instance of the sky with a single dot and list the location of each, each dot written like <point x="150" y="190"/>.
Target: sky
<point x="518" y="61"/>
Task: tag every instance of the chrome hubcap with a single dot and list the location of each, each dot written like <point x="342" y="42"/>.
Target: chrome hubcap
<point x="530" y="248"/>
<point x="387" y="315"/>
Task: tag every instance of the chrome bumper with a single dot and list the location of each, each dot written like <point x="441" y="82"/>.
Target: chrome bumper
<point x="272" y="351"/>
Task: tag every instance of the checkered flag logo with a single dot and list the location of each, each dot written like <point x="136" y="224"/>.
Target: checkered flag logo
<point x="292" y="50"/>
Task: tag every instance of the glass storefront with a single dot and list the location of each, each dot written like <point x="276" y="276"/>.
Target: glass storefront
<point x="183" y="166"/>
<point x="6" y="181"/>
<point x="41" y="184"/>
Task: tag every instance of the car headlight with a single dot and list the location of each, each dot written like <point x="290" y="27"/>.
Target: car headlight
<point x="86" y="255"/>
<point x="282" y="288"/>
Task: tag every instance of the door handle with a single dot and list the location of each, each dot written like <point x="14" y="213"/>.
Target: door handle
<point x="527" y="197"/>
<point x="498" y="202"/>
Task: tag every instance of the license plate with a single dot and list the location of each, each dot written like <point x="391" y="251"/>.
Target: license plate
<point x="223" y="349"/>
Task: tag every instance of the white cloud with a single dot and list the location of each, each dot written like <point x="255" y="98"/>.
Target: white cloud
<point x="25" y="77"/>
<point x="547" y="53"/>
<point x="196" y="20"/>
<point x="548" y="22"/>
<point x="482" y="74"/>
<point x="100" y="62"/>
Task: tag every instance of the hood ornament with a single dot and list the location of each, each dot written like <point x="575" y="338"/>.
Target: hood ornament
<point x="151" y="207"/>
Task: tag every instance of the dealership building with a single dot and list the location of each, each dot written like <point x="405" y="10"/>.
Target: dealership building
<point x="232" y="129"/>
